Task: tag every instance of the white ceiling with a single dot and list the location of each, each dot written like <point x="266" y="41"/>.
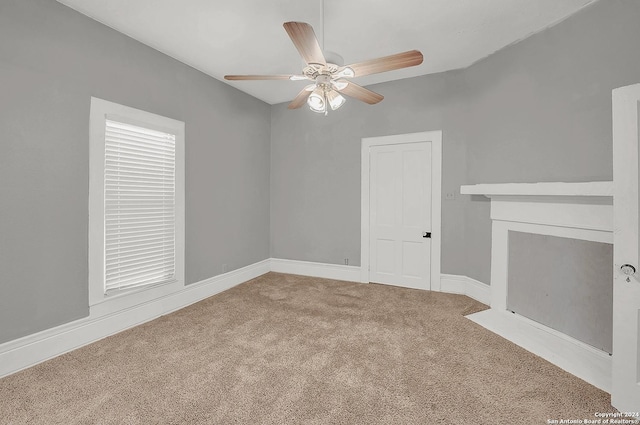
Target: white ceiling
<point x="247" y="37"/>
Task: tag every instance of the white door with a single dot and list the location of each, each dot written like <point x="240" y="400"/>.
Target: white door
<point x="625" y="392"/>
<point x="400" y="214"/>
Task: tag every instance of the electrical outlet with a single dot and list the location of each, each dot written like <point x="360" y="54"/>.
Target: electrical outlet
<point x="346" y="261"/>
<point x="450" y="195"/>
<point x="224" y="268"/>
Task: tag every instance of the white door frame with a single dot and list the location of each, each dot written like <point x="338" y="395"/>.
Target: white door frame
<point x="625" y="390"/>
<point x="435" y="138"/>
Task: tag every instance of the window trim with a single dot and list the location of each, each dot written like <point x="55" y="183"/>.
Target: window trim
<point x="100" y="111"/>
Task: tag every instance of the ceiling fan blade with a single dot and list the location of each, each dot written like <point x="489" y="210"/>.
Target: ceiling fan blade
<point x="387" y="63"/>
<point x="300" y="99"/>
<point x="258" y="77"/>
<point x="360" y="93"/>
<point x="305" y="41"/>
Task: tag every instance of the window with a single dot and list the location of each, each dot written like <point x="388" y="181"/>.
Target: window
<point x="136" y="205"/>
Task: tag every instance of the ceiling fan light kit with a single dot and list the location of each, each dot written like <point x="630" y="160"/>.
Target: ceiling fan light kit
<point x="317" y="101"/>
<point x="320" y="98"/>
<point x="329" y="76"/>
<point x="324" y="95"/>
<point x="335" y="99"/>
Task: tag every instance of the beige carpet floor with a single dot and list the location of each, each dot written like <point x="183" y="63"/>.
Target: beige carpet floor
<point x="283" y="349"/>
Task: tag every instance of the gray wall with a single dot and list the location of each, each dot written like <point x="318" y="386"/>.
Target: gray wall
<point x="315" y="167"/>
<point x="564" y="284"/>
<point x="536" y="111"/>
<point x="52" y="60"/>
<point x="539" y="110"/>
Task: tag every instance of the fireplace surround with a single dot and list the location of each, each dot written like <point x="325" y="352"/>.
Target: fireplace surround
<point x="582" y="211"/>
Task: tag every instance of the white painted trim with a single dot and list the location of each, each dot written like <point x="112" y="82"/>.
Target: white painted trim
<point x="324" y="270"/>
<point x="33" y="349"/>
<point x="603" y="188"/>
<point x="574" y="356"/>
<point x="556" y="212"/>
<point x="570" y="210"/>
<point x="625" y="394"/>
<point x="364" y="212"/>
<point x="457" y="284"/>
<point x="100" y="111"/>
<point x="435" y="137"/>
<point x="577" y="358"/>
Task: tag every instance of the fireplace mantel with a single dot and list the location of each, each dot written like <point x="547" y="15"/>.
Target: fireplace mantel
<point x="582" y="189"/>
<point x="585" y="205"/>
<point x="570" y="210"/>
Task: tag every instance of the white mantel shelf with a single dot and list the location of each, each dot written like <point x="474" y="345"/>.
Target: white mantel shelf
<point x="584" y="205"/>
<point x="598" y="189"/>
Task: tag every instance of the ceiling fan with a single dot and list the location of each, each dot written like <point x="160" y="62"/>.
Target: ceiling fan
<point x="330" y="76"/>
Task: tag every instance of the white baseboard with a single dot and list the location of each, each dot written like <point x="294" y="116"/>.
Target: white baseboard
<point x="33" y="349"/>
<point x="324" y="270"/>
<point x="576" y="357"/>
<point x="457" y="284"/>
<point x="30" y="350"/>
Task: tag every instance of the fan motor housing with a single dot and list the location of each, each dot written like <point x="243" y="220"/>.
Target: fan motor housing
<point x="323" y="80"/>
<point x="333" y="58"/>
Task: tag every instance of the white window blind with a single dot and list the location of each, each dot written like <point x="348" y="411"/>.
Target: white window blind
<point x="140" y="206"/>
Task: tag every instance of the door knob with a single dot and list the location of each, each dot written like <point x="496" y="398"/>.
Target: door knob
<point x="426" y="234"/>
<point x="628" y="270"/>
